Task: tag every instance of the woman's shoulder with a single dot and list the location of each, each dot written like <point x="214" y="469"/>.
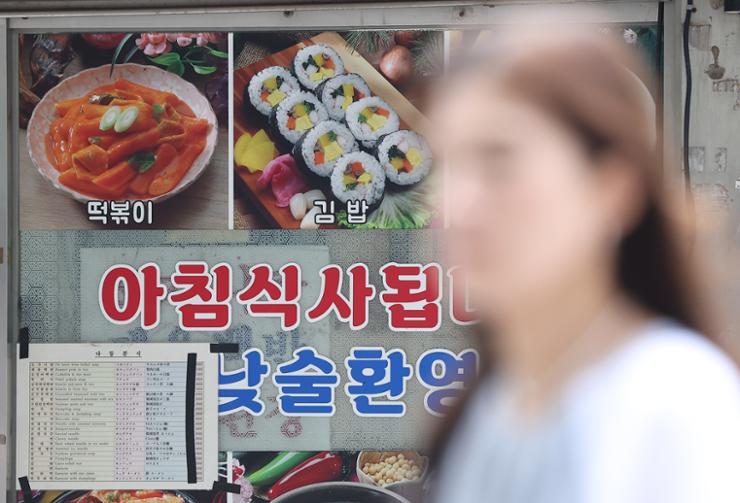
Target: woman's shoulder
<point x="668" y="400"/>
<point x="666" y="356"/>
<point x="665" y="374"/>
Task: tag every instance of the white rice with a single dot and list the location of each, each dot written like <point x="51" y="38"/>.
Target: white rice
<point x="319" y="114"/>
<point x="370" y="192"/>
<point x="303" y="56"/>
<point x="308" y="142"/>
<point x="334" y="105"/>
<point x="362" y="131"/>
<point x="405" y="139"/>
<point x="254" y="88"/>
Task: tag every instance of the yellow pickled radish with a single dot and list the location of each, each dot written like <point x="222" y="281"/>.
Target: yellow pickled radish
<point x="260" y="136"/>
<point x="256" y="157"/>
<point x="364" y="178"/>
<point x="254" y="152"/>
<point x="397" y="163"/>
<point x="241" y="144"/>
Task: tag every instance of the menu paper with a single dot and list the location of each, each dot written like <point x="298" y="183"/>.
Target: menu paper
<point x="114" y="416"/>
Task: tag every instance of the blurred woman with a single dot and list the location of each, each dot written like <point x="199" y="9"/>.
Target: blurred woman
<point x="601" y="380"/>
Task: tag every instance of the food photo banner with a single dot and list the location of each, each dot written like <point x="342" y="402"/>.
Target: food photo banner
<point x="283" y="130"/>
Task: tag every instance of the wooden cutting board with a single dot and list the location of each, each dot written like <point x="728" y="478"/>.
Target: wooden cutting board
<point x="410" y="116"/>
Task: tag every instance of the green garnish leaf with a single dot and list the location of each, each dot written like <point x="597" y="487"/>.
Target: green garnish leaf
<point x="332" y="136"/>
<point x="118" y="50"/>
<point x="177" y="68"/>
<point x="166" y="59"/>
<point x="361" y="119"/>
<point x="204" y="70"/>
<point x="157" y="111"/>
<point x="142" y="161"/>
<point x="218" y="54"/>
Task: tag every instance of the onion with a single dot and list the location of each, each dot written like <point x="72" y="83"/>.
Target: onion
<point x="405" y="37"/>
<point x="397" y="64"/>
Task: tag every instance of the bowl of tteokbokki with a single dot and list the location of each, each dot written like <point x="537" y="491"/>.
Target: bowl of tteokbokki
<point x="140" y="133"/>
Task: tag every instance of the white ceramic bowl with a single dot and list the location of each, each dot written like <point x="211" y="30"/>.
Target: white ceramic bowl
<point x="81" y="83"/>
<point x="398" y="487"/>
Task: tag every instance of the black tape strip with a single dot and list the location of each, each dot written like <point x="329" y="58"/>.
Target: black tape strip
<point x="25" y="489"/>
<point x="190" y="418"/>
<point x="225" y="347"/>
<point x="222" y="485"/>
<point x="24" y="340"/>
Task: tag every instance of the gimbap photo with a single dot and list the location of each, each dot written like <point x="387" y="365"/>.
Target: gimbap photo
<point x="357" y="176"/>
<point x="335" y="117"/>
<point x="370" y="118"/>
<point x="316" y="63"/>
<point x="405" y="157"/>
<point x="268" y="88"/>
<point x="318" y="150"/>
<point x="339" y="92"/>
<point x="297" y="113"/>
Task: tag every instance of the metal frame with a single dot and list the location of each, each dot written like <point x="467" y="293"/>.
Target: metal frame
<point x="430" y="15"/>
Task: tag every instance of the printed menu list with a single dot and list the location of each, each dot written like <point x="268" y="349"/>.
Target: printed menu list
<point x="112" y="420"/>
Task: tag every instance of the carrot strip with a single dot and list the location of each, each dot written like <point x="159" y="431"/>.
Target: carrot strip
<point x="176" y="170"/>
<point x="162" y="158"/>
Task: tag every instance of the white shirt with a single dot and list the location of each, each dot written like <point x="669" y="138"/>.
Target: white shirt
<point x="656" y="421"/>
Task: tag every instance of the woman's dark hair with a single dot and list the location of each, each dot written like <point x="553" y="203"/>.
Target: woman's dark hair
<point x="591" y="85"/>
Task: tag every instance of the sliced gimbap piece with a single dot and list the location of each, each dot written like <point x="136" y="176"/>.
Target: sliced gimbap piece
<point x="316" y="63"/>
<point x="339" y="92"/>
<point x="357" y="176"/>
<point x="370" y="118"/>
<point x="318" y="150"/>
<point x="297" y="113"/>
<point x="405" y="156"/>
<point x="268" y="88"/>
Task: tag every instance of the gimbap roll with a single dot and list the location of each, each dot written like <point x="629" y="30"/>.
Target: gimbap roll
<point x="318" y="150"/>
<point x="339" y="92"/>
<point x="295" y="114"/>
<point x="268" y="88"/>
<point x="370" y="118"/>
<point x="316" y="63"/>
<point x="405" y="157"/>
<point x="357" y="176"/>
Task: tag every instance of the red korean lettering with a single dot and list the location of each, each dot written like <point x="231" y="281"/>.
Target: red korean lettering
<point x="266" y="297"/>
<point x="353" y="310"/>
<point x="412" y="296"/>
<point x="126" y="293"/>
<point x="202" y="296"/>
